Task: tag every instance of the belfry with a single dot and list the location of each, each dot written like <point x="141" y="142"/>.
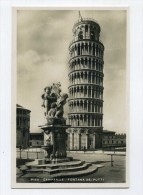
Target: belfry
<point x="85" y="86"/>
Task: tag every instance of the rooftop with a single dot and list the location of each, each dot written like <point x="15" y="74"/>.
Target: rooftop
<point x="21" y="107"/>
<point x="107" y="131"/>
<point x="86" y="20"/>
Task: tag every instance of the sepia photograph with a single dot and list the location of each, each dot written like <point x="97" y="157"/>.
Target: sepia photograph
<point x="71" y="123"/>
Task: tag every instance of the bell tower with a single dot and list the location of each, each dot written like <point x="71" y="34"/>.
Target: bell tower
<point x="86" y="86"/>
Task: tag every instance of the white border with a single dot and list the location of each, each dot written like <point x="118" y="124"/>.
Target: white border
<point x="136" y="93"/>
<point x="14" y="74"/>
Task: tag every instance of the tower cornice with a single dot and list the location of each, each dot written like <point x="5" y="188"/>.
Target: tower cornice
<point x="86" y="40"/>
<point x="87" y="69"/>
<point x="88" y="56"/>
<point x="88" y="21"/>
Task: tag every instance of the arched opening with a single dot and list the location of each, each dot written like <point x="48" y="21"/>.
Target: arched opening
<point x="78" y="49"/>
<point x="80" y="35"/>
<point x="86" y="31"/>
<point x="86" y="28"/>
<point x="92" y="35"/>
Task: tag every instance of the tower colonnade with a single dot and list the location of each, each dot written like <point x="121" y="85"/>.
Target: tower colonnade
<point x="85" y="120"/>
<point x="81" y="77"/>
<point x="86" y="91"/>
<point x="86" y="48"/>
<point x="86" y="85"/>
<point x="86" y="62"/>
<point x="84" y="106"/>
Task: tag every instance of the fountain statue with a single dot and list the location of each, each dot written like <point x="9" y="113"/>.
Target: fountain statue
<point x="55" y="135"/>
<point x="55" y="163"/>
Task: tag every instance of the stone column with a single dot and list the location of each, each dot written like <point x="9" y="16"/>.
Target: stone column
<point x="89" y="31"/>
<point x="90" y="120"/>
<point x="81" y="119"/>
<point x="78" y="78"/>
<point x="92" y="106"/>
<point x="87" y="91"/>
<point x="77" y="121"/>
<point x="84" y="91"/>
<point x="94" y="140"/>
<point x="72" y="92"/>
<point x="91" y="92"/>
<point x="74" y="49"/>
<point x="79" y="141"/>
<point x="54" y="143"/>
<point x="98" y="121"/>
<point x="18" y="120"/>
<point x="72" y="79"/>
<point x="84" y="77"/>
<point x="83" y="51"/>
<point x="75" y="106"/>
<point x="84" y="33"/>
<point x="72" y="141"/>
<point x="86" y="120"/>
<point x="78" y="106"/>
<point x="91" y="49"/>
<point x="87" y="138"/>
<point x="87" y="106"/>
<point x="69" y="117"/>
<point x="87" y="49"/>
<point x="91" y="77"/>
<point x="75" y="92"/>
<point x="94" y="120"/>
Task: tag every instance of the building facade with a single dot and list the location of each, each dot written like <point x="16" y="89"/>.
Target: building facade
<point x="36" y="139"/>
<point x="86" y="86"/>
<point x="22" y="126"/>
<point x="111" y="139"/>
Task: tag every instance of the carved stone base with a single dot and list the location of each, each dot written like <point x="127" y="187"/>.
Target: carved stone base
<point x="58" y="139"/>
<point x="55" y="121"/>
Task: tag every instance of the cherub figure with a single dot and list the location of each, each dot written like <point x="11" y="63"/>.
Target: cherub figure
<point x="46" y="96"/>
<point x="52" y="110"/>
<point x="53" y="101"/>
<point x="56" y="89"/>
<point x="61" y="101"/>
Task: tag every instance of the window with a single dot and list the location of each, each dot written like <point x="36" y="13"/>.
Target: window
<point x="80" y="35"/>
<point x="92" y="35"/>
<point x="86" y="28"/>
<point x="78" y="123"/>
<point x="23" y="133"/>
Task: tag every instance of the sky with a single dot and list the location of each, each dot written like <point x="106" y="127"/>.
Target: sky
<point x="43" y="38"/>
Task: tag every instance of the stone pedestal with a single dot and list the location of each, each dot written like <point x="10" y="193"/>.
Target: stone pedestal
<point x="57" y="140"/>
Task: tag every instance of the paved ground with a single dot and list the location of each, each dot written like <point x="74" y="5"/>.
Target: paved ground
<point x="106" y="174"/>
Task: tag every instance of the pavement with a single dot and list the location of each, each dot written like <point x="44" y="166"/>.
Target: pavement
<point x="114" y="172"/>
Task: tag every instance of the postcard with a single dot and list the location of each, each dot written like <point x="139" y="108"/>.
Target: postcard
<point x="70" y="77"/>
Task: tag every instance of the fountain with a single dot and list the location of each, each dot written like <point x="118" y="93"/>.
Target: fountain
<point x="55" y="135"/>
<point x="55" y="163"/>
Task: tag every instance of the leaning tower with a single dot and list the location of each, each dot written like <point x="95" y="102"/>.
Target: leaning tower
<point x="85" y="86"/>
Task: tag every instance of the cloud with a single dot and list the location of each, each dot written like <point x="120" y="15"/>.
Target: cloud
<point x="43" y="38"/>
